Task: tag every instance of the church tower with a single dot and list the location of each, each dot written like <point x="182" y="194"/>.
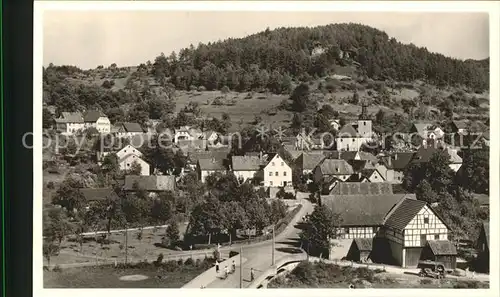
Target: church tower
<point x="364" y="122"/>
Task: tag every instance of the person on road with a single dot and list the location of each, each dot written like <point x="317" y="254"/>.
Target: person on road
<point x="233" y="267"/>
<point x="252" y="275"/>
<point x="216" y="266"/>
<point x="226" y="271"/>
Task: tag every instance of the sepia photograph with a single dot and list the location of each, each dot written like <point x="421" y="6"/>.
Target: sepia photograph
<point x="263" y="148"/>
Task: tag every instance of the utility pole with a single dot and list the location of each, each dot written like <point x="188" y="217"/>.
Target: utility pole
<point x="273" y="245"/>
<point x="241" y="268"/>
<point x="126" y="244"/>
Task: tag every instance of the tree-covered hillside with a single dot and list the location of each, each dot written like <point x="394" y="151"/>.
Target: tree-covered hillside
<point x="263" y="59"/>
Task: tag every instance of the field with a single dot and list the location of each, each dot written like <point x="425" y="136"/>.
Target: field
<point x="170" y="275"/>
<point x="138" y="250"/>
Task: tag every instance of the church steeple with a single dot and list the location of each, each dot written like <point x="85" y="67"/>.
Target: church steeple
<point x="364" y="111"/>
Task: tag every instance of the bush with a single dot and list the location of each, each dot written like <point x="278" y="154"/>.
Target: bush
<point x="189" y="262"/>
<point x="171" y="265"/>
<point x="159" y="260"/>
<point x="289" y="195"/>
<point x="233" y="253"/>
<point x="426" y="281"/>
<point x="466" y="284"/>
<point x="57" y="268"/>
<point x="180" y="262"/>
<point x="50" y="185"/>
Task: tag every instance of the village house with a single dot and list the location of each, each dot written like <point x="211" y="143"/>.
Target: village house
<point x="335" y="124"/>
<point x="428" y="131"/>
<point x="194" y="156"/>
<point x="305" y="142"/>
<point x="127" y="163"/>
<point x="367" y="176"/>
<point x="459" y="127"/>
<point x="348" y="139"/>
<point x="127" y="150"/>
<point x="187" y="133"/>
<point x="206" y="167"/>
<point x="127" y="130"/>
<point x="360" y="250"/>
<point x="396" y="165"/>
<point x="245" y="167"/>
<point x="424" y="155"/>
<point x="69" y="123"/>
<point x="400" y="225"/>
<point x="277" y="172"/>
<point x="94" y="195"/>
<point x="329" y="169"/>
<point x="306" y="162"/>
<point x="98" y="120"/>
<point x="153" y="184"/>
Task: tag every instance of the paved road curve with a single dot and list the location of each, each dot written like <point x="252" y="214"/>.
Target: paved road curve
<point x="259" y="256"/>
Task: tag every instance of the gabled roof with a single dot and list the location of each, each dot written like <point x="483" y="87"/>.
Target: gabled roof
<point x="126" y="156"/>
<point x="344" y="188"/>
<point x="348" y="131"/>
<point x="404" y="213"/>
<point x="245" y="163"/>
<point x="344" y="155"/>
<point x="364" y="244"/>
<point x="335" y="167"/>
<point x="363" y="210"/>
<point x="92" y="115"/>
<point x="70" y="117"/>
<point x="193" y="157"/>
<point x="310" y="161"/>
<point x="399" y="161"/>
<point x="132" y="127"/>
<point x="442" y="247"/>
<point x="270" y="157"/>
<point x="461" y="124"/>
<point x="150" y="182"/>
<point x="422" y="128"/>
<point x="98" y="194"/>
<point x="212" y="164"/>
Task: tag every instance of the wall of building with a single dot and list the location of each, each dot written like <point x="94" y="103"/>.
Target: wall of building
<point x="455" y="167"/>
<point x="103" y="125"/>
<point x="358" y="232"/>
<point x="244" y="174"/>
<point x="126" y="164"/>
<point x="128" y="149"/>
<point x="277" y="173"/>
<point x="425" y="226"/>
<point x="348" y="144"/>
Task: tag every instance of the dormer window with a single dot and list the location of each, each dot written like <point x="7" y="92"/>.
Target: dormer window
<point x="272" y="163"/>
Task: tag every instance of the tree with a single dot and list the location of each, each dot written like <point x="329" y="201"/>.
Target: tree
<point x="49" y="250"/>
<point x="57" y="225"/>
<point x="162" y="210"/>
<point x="436" y="171"/>
<point x="69" y="196"/>
<point x="474" y="173"/>
<point x="110" y="164"/>
<point x="425" y="192"/>
<point x="135" y="168"/>
<point x="300" y="98"/>
<point x="235" y="218"/>
<point x="47" y="119"/>
<point x="172" y="232"/>
<point x="322" y="227"/>
<point x="207" y="218"/>
<point x="278" y="211"/>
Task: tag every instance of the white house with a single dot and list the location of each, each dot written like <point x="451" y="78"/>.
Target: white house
<point x="70" y="122"/>
<point x="335" y="124"/>
<point x="127" y="150"/>
<point x="187" y="133"/>
<point x="348" y="139"/>
<point x="277" y="173"/>
<point x="126" y="163"/>
<point x="127" y="130"/>
<point x="427" y="131"/>
<point x="245" y="167"/>
<point x="97" y="120"/>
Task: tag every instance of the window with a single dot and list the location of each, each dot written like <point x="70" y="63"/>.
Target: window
<point x="282" y="164"/>
<point x="276" y="173"/>
<point x="270" y="183"/>
<point x="272" y="163"/>
<point x="284" y="173"/>
<point x="128" y="164"/>
<point x="364" y="123"/>
<point x="270" y="173"/>
<point x="426" y="220"/>
<point x="341" y="140"/>
<point x="346" y="230"/>
<point x="353" y="140"/>
<point x="436" y="236"/>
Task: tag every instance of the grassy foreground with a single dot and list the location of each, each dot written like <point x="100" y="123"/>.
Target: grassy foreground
<point x="323" y="275"/>
<point x="171" y="274"/>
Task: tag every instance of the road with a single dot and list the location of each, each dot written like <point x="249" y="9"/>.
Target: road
<point x="259" y="256"/>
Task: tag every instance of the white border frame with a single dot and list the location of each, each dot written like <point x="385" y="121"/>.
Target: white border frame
<point x="371" y="6"/>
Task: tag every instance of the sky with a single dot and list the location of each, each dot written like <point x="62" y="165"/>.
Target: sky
<point x="90" y="38"/>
